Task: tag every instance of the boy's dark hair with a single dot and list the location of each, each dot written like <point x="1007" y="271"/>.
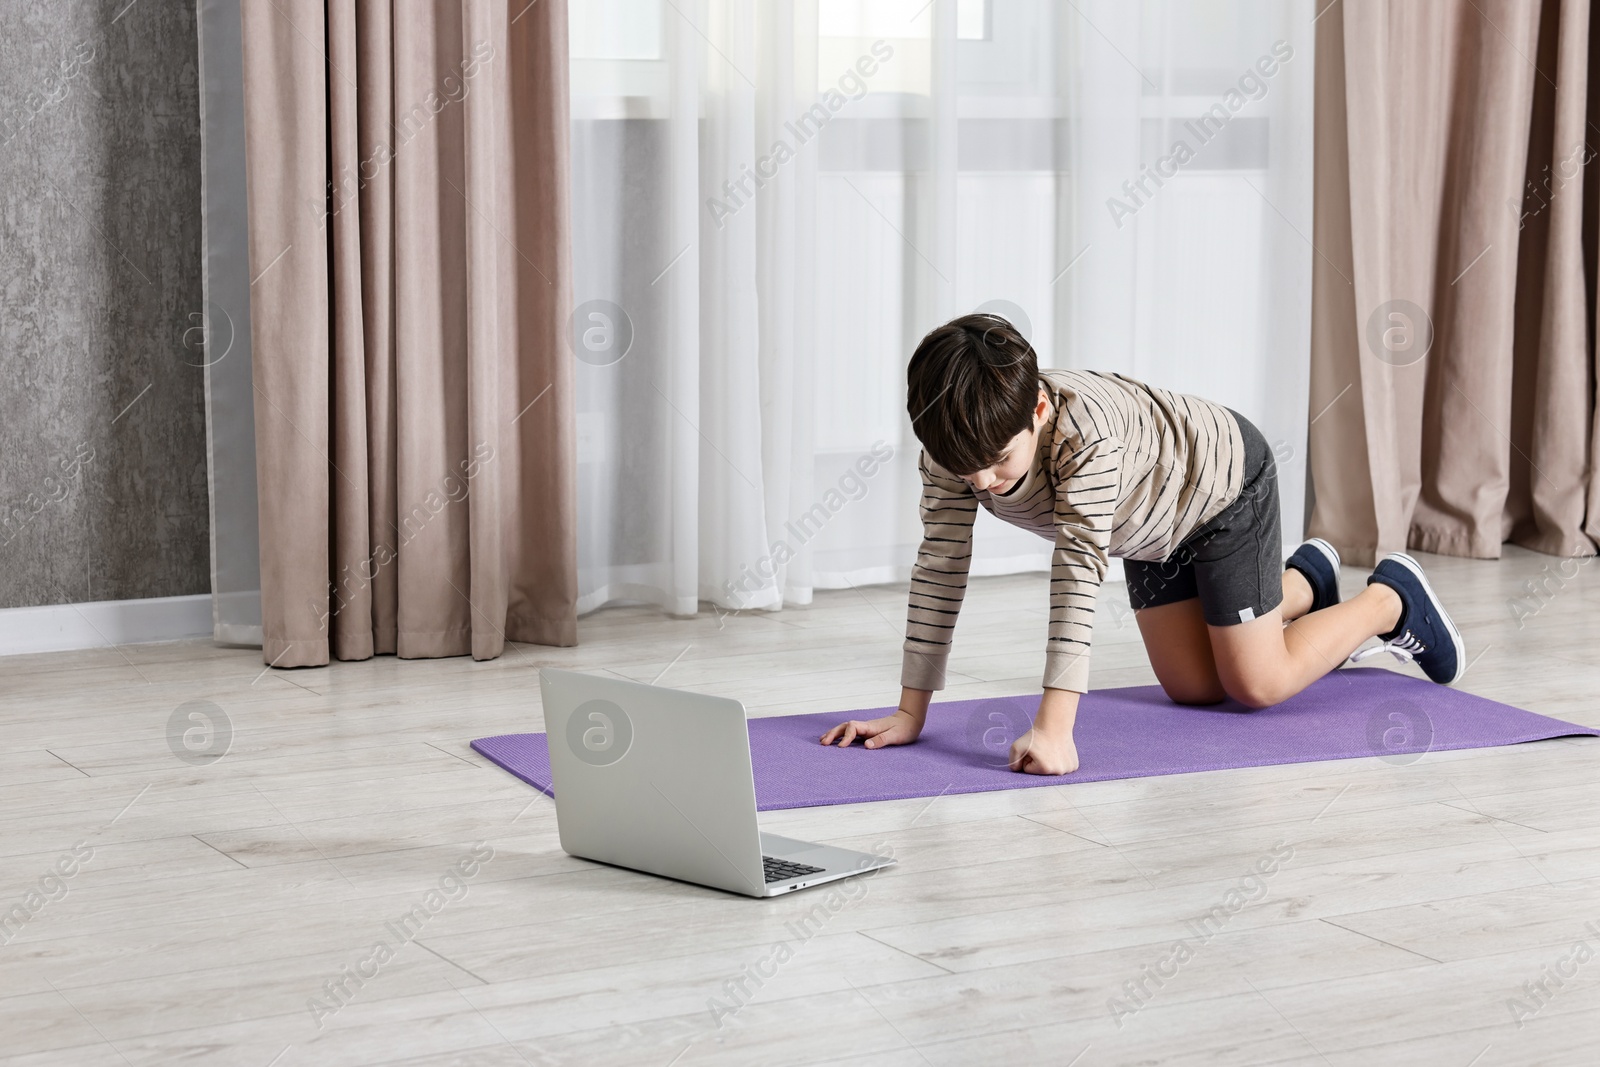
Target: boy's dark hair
<point x="971" y="387"/>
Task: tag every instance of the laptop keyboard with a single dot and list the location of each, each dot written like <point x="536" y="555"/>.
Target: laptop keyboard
<point x="783" y="870"/>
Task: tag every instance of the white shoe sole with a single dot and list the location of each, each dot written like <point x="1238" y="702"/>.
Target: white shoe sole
<point x="1438" y="606"/>
<point x="1329" y="553"/>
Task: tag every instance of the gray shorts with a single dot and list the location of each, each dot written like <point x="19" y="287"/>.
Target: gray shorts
<point x="1234" y="563"/>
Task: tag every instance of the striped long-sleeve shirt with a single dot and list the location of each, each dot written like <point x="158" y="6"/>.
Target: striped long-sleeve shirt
<point x="1122" y="469"/>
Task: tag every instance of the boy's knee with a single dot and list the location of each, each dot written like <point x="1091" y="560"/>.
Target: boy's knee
<point x="1254" y="693"/>
<point x="1198" y="695"/>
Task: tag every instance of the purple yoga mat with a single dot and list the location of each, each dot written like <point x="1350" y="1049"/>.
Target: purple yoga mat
<point x="1121" y="733"/>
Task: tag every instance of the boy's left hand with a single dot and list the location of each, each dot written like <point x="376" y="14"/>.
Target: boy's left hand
<point x="1036" y="752"/>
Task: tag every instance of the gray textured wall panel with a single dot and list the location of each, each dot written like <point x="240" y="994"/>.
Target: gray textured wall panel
<point x="102" y="419"/>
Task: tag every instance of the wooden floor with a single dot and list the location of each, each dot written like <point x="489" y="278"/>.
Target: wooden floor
<point x="1445" y="911"/>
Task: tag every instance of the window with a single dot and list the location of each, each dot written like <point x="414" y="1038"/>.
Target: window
<point x="615" y="29"/>
<point x="898" y="18"/>
<point x="972" y="20"/>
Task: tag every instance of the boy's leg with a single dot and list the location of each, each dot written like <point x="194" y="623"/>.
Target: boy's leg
<point x="1167" y="607"/>
<point x="1180" y="651"/>
<point x="1266" y="642"/>
<point x="1177" y="638"/>
<point x="1262" y="661"/>
<point x="1297" y="596"/>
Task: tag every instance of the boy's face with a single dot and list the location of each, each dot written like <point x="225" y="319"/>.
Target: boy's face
<point x="1015" y="459"/>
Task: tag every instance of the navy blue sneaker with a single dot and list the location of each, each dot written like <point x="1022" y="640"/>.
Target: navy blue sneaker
<point x="1425" y="633"/>
<point x="1319" y="562"/>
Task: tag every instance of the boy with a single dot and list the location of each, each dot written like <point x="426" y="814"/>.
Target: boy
<point x="1184" y="490"/>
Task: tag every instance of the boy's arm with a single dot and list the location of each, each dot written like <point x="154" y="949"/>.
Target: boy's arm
<point x="938" y="583"/>
<point x="1049" y="748"/>
<point x="939" y="577"/>
<point x="1088" y="481"/>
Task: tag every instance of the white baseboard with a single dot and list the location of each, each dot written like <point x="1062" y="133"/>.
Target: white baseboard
<point x="65" y="627"/>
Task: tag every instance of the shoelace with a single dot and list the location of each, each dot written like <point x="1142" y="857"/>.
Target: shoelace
<point x="1404" y="648"/>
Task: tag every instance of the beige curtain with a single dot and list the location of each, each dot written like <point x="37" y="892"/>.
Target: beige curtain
<point x="408" y="202"/>
<point x="1452" y="383"/>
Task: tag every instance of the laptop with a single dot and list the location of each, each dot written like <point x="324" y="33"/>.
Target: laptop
<point x="659" y="780"/>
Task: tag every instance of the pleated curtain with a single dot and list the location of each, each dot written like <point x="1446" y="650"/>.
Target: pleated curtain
<point x="409" y="249"/>
<point x="1453" y="403"/>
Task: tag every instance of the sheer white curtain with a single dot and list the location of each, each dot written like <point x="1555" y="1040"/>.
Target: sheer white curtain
<point x="775" y="199"/>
